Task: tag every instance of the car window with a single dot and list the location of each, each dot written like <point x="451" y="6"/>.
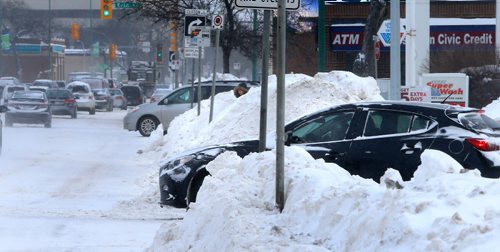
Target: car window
<point x="220" y="89"/>
<point x="477" y="121"/>
<point x="382" y="122"/>
<point x="331" y="127"/>
<point x="420" y="123"/>
<point x="180" y="97"/>
<point x="79" y="89"/>
<point x="58" y="94"/>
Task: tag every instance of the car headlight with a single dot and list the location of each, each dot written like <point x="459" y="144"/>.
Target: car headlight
<point x="134" y="109"/>
<point x="176" y="166"/>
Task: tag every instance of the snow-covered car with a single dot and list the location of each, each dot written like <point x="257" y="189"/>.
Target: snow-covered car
<point x="2" y="110"/>
<point x="146" y="117"/>
<point x="28" y="107"/>
<point x="365" y="139"/>
<point x="84" y="97"/>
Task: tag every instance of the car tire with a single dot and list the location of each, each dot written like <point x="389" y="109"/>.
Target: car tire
<point x="92" y="111"/>
<point x="147" y="125"/>
<point x="74" y="114"/>
<point x="110" y="107"/>
<point x="48" y="124"/>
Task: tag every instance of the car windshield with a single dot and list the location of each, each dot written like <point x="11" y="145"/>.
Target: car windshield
<point x="478" y="122"/>
<point x="28" y="95"/>
<point x="42" y="83"/>
<point x="115" y="92"/>
<point x="58" y="94"/>
<point x="78" y="89"/>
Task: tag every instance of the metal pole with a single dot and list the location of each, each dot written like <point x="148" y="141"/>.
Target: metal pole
<point x="199" y="80"/>
<point x="254" y="54"/>
<point x="321" y="36"/>
<point x="217" y="37"/>
<point x="91" y="33"/>
<point x="395" y="90"/>
<point x="263" y="87"/>
<point x="280" y="106"/>
<point x="50" y="40"/>
<point x="192" y="83"/>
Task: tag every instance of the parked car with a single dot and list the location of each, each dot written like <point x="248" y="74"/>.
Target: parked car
<point x="9" y="80"/>
<point x="43" y="85"/>
<point x="146" y="117"/>
<point x="134" y="94"/>
<point x="103" y="99"/>
<point x="2" y="110"/>
<point x="62" y="102"/>
<point x="29" y="107"/>
<point x="85" y="100"/>
<point x="119" y="99"/>
<point x="365" y="139"/>
<point x="159" y="93"/>
<point x="7" y="91"/>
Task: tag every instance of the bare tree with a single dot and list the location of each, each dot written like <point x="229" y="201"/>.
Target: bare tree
<point x="364" y="63"/>
<point x="237" y="33"/>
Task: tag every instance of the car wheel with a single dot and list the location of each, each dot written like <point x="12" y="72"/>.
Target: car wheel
<point x="48" y="124"/>
<point x="110" y="107"/>
<point x="74" y="114"/>
<point x="194" y="185"/>
<point x="147" y="125"/>
<point x="92" y="111"/>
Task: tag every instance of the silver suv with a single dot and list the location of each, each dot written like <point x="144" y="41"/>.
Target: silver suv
<point x="146" y="117"/>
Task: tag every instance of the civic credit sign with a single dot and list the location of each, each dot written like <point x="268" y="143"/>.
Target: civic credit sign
<point x="445" y="34"/>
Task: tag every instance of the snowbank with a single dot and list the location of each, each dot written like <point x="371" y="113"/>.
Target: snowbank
<point x="326" y="209"/>
<point x="493" y="109"/>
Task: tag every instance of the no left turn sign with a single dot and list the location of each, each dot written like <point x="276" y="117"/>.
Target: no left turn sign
<point x="217" y="22"/>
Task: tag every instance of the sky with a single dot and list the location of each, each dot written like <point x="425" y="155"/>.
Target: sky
<point x="326" y="209"/>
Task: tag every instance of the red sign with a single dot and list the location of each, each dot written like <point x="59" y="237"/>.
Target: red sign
<point x="377" y="50"/>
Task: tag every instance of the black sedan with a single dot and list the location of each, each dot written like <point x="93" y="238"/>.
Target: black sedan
<point x="365" y="139"/>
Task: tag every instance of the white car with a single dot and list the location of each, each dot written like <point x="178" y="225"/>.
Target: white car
<point x="83" y="94"/>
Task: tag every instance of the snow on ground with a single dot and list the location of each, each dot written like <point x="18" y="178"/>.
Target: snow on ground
<point x="326" y="209"/>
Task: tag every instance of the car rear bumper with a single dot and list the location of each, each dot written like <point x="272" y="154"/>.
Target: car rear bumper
<point x="62" y="110"/>
<point x="28" y="117"/>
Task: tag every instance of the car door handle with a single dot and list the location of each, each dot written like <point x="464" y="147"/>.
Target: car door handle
<point x="333" y="155"/>
<point x="410" y="149"/>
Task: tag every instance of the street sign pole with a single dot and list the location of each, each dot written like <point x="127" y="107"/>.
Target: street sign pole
<point x="199" y="80"/>
<point x="217" y="24"/>
<point x="265" y="77"/>
<point x="280" y="107"/>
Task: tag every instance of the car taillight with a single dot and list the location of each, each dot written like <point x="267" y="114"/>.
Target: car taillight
<point x="43" y="105"/>
<point x="119" y="97"/>
<point x="69" y="101"/>
<point x="483" y="145"/>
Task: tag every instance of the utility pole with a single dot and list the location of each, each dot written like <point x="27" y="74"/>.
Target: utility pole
<point x="50" y="44"/>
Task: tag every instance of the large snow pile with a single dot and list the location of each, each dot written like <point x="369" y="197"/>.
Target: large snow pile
<point x="493" y="109"/>
<point x="326" y="209"/>
<point x="237" y="118"/>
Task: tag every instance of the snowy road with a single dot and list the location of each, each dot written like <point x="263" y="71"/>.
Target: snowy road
<point x="78" y="186"/>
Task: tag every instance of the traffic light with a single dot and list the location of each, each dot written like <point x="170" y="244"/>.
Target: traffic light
<point x="75" y="31"/>
<point x="159" y="53"/>
<point x="112" y="52"/>
<point x="106" y="9"/>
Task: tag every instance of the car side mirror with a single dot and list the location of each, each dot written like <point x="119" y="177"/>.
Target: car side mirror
<point x="164" y="101"/>
<point x="3" y="109"/>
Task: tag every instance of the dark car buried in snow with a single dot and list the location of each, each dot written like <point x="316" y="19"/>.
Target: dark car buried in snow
<point x="365" y="139"/>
